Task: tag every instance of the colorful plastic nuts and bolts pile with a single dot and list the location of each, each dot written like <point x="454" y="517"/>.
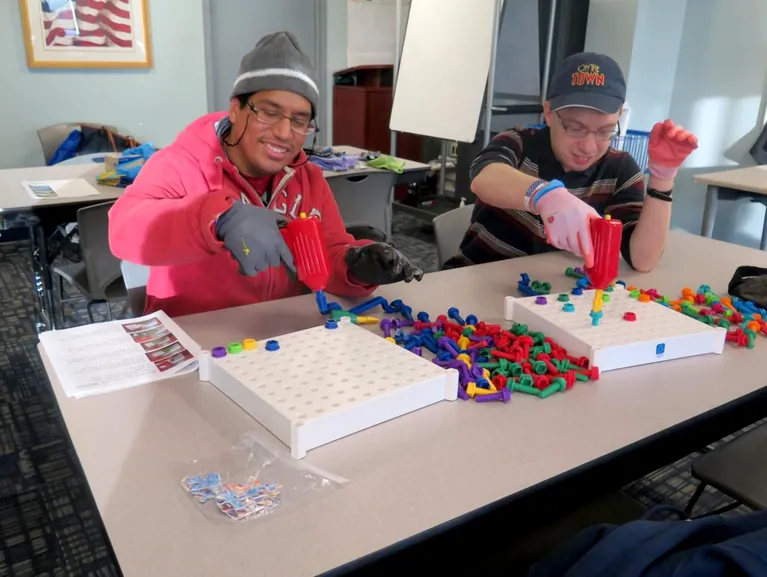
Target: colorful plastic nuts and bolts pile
<point x="492" y="362"/>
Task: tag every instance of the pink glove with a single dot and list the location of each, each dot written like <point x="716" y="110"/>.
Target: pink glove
<point x="670" y="145"/>
<point x="566" y="221"/>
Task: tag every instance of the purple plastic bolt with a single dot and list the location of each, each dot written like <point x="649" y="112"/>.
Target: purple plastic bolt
<point x="477" y="372"/>
<point x="503" y="395"/>
<point x="386" y="327"/>
<point x="463" y="371"/>
<point x="417" y="351"/>
<point x="462" y="393"/>
<point x="218" y="352"/>
<point x="540" y="300"/>
<point x="401" y="323"/>
<point x="447" y="344"/>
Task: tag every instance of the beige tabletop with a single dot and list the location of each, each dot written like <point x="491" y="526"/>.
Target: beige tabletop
<point x="750" y="179"/>
<point x="409" y="166"/>
<point x="404" y="473"/>
<point x="13" y="197"/>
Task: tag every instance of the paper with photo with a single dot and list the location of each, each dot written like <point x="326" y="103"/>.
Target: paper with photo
<point x="47" y="189"/>
<point x="104" y="357"/>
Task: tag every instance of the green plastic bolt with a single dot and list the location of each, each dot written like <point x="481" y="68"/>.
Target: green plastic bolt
<point x="563" y="298"/>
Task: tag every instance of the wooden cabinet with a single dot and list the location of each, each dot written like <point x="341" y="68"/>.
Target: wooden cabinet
<point x="362" y="101"/>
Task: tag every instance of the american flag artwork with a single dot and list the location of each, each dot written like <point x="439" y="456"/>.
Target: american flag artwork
<point x="87" y="23"/>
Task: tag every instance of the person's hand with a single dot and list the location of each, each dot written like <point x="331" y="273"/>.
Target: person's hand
<point x="566" y="222"/>
<point x="670" y="145"/>
<point x="252" y="234"/>
<point x="379" y="263"/>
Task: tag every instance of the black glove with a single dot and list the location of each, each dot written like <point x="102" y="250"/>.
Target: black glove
<point x="252" y="234"/>
<point x="380" y="263"/>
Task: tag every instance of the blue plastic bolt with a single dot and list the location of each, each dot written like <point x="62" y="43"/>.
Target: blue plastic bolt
<point x="471" y="320"/>
<point x="331" y="324"/>
<point x="568" y="307"/>
<point x="595" y="317"/>
<point x="454" y="314"/>
<point x="577" y="291"/>
<point x="272" y="345"/>
<point x="423" y="317"/>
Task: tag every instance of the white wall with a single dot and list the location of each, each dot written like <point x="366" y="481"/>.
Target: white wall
<point x="150" y="104"/>
<point x="236" y="26"/>
<point x="335" y="54"/>
<point x="720" y="94"/>
<point x="701" y="63"/>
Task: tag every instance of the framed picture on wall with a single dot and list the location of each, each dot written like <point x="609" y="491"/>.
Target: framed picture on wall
<point x="86" y="33"/>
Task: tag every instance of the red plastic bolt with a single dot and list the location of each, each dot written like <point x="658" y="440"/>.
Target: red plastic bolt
<point x="629" y="316"/>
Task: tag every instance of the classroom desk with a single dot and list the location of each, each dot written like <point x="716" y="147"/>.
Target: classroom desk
<point x="408" y="476"/>
<point x="365" y="195"/>
<point x="43" y="219"/>
<point x="749" y="182"/>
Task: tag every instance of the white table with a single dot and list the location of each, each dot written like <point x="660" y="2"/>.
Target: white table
<point x="365" y="195"/>
<point x="409" y="475"/>
<point x="749" y="182"/>
<point x="42" y="217"/>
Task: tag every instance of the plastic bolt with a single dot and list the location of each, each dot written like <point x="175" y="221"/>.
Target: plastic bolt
<point x="576" y="291"/>
<point x="504" y="395"/>
<point x="218" y="352"/>
<point x="250" y="344"/>
<point x="568" y="308"/>
<point x="563" y="298"/>
<point x="331" y="324"/>
<point x="540" y="300"/>
<point x="454" y="314"/>
<point x="272" y="345"/>
<point x="234" y="348"/>
<point x="629" y="316"/>
<point x="386" y="327"/>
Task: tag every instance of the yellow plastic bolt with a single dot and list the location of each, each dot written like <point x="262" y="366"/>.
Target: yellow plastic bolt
<point x="367" y="320"/>
<point x="463" y="343"/>
<point x="250" y="344"/>
<point x="391" y="340"/>
<point x="465" y="358"/>
<point x="473" y="390"/>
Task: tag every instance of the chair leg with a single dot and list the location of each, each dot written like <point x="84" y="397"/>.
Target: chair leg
<point x="60" y="296"/>
<point x="89" y="307"/>
<point x="109" y="311"/>
<point x="694" y="499"/>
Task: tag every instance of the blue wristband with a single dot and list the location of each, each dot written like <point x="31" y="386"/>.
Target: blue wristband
<point x="543" y="191"/>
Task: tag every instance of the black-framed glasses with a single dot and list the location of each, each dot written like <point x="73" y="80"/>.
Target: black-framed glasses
<point x="301" y="126"/>
<point x="579" y="131"/>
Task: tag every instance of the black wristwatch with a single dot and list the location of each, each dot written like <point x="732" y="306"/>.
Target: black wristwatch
<point x="665" y="196"/>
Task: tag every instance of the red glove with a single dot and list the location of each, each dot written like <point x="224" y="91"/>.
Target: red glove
<point x="670" y="145"/>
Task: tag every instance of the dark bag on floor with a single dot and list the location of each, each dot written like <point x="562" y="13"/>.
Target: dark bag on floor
<point x="707" y="547"/>
<point x="750" y="283"/>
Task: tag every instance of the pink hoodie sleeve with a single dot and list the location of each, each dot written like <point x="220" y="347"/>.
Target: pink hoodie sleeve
<point x="158" y="221"/>
<point x="338" y="242"/>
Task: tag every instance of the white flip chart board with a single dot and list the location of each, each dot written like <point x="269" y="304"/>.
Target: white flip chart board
<point x="444" y="68"/>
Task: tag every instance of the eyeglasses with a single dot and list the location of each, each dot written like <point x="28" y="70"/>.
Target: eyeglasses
<point x="579" y="131"/>
<point x="272" y="117"/>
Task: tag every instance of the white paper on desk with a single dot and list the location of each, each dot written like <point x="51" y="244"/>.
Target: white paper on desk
<point x="105" y="357"/>
<point x="46" y="189"/>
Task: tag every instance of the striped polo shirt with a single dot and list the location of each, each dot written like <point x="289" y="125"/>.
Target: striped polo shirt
<point x="613" y="185"/>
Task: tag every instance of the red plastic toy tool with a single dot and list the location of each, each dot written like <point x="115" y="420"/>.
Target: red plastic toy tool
<point x="606" y="235"/>
<point x="304" y="239"/>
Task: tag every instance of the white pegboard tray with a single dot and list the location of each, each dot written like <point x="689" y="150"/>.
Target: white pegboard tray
<point x="658" y="333"/>
<point x="324" y="384"/>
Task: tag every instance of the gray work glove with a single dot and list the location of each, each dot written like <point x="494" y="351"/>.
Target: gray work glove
<point x="252" y="234"/>
<point x="379" y="264"/>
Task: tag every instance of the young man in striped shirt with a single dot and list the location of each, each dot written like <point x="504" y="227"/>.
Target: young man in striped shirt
<point x="538" y="189"/>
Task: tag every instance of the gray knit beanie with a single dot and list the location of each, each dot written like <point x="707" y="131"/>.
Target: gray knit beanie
<point x="278" y="63"/>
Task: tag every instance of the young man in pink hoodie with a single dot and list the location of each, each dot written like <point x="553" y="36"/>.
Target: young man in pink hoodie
<point x="205" y="212"/>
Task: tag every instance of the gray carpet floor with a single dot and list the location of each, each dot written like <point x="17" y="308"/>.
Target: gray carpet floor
<point x="49" y="525"/>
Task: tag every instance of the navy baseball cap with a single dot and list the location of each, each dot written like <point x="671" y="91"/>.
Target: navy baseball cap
<point x="588" y="80"/>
